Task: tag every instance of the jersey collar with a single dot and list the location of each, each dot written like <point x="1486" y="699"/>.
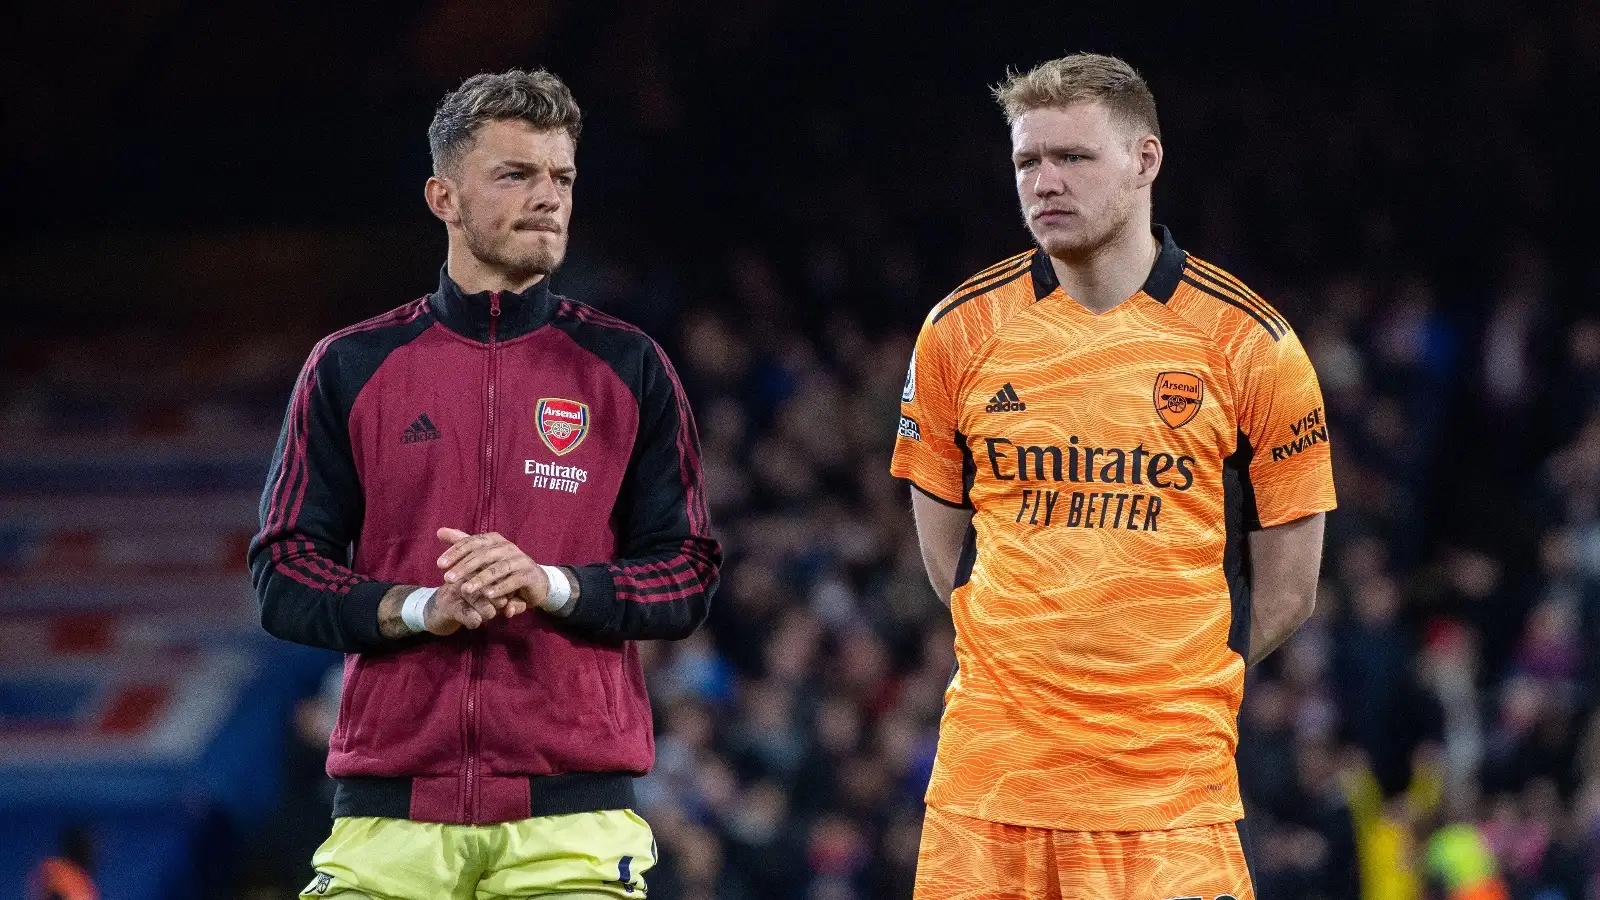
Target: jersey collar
<point x="1160" y="284"/>
<point x="468" y="314"/>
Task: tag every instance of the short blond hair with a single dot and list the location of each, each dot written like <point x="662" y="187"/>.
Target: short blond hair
<point x="538" y="98"/>
<point x="1078" y="78"/>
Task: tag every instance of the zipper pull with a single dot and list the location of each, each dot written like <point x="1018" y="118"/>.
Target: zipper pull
<point x="494" y="304"/>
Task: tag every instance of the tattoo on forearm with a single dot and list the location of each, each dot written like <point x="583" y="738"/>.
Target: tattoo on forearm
<point x="390" y="625"/>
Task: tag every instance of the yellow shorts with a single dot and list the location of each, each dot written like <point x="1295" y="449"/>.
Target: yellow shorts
<point x="592" y="854"/>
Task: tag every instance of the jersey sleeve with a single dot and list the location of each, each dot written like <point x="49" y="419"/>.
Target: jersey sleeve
<point x="928" y="449"/>
<point x="311" y="513"/>
<point x="1282" y="416"/>
<point x="662" y="585"/>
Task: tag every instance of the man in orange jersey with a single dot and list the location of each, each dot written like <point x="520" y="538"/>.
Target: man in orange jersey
<point x="1120" y="469"/>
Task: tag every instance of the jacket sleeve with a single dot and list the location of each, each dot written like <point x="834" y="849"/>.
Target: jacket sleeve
<point x="311" y="512"/>
<point x="662" y="587"/>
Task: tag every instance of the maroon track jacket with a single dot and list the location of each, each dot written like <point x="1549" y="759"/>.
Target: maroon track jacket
<point x="532" y="415"/>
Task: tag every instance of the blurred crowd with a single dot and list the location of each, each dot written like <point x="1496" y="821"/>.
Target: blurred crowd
<point x="1430" y="733"/>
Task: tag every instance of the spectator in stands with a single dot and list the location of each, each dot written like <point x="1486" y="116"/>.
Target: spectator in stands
<point x="67" y="876"/>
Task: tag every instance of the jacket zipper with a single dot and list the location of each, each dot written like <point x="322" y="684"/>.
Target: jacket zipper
<point x="494" y="375"/>
<point x="485" y="517"/>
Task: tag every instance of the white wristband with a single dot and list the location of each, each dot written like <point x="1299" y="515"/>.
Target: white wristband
<point x="411" y="609"/>
<point x="560" y="590"/>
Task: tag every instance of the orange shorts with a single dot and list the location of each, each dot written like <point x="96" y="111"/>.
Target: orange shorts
<point x="970" y="859"/>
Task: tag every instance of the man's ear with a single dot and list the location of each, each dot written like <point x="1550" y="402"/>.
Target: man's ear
<point x="1149" y="152"/>
<point x="440" y="194"/>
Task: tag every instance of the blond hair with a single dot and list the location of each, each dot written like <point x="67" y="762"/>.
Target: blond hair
<point x="538" y="98"/>
<point x="1079" y="78"/>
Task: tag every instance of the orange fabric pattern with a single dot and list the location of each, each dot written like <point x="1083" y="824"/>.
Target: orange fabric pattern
<point x="1110" y="461"/>
<point x="970" y="859"/>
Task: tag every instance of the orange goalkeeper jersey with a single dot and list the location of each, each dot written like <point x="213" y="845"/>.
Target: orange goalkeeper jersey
<point x="1114" y="464"/>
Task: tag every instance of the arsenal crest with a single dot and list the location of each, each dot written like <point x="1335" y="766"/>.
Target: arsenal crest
<point x="563" y="424"/>
<point x="1178" y="396"/>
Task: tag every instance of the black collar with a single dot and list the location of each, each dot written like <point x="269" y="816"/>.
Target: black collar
<point x="468" y="314"/>
<point x="1161" y="282"/>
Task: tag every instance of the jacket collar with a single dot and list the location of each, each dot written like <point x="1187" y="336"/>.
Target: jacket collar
<point x="469" y="314"/>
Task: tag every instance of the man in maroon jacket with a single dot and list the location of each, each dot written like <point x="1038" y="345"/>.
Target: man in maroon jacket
<point x="483" y="498"/>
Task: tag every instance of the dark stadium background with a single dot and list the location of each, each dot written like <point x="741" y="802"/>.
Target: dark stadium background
<point x="196" y="191"/>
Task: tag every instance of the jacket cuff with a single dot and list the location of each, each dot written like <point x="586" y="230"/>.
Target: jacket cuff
<point x="358" y="614"/>
<point x="597" y="594"/>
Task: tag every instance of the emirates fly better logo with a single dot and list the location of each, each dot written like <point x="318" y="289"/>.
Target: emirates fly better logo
<point x="563" y="424"/>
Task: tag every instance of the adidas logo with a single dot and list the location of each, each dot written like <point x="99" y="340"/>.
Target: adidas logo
<point x="421" y="430"/>
<point x="1006" y="400"/>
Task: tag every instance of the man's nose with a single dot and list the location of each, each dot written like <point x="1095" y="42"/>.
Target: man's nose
<point x="1047" y="180"/>
<point x="546" y="195"/>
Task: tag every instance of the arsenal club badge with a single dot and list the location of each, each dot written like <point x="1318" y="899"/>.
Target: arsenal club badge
<point x="563" y="424"/>
<point x="1178" y="396"/>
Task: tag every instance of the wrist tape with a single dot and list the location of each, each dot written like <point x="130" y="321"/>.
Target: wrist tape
<point x="560" y="589"/>
<point x="411" y="609"/>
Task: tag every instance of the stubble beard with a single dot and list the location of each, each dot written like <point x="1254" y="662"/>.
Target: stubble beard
<point x="1087" y="243"/>
<point x="495" y="250"/>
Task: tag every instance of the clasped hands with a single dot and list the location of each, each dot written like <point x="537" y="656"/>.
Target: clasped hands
<point x="485" y="575"/>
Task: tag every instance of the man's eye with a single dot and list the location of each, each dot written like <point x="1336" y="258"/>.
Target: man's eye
<point x="1073" y="157"/>
<point x="1026" y="164"/>
<point x="564" y="180"/>
<point x="512" y="176"/>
